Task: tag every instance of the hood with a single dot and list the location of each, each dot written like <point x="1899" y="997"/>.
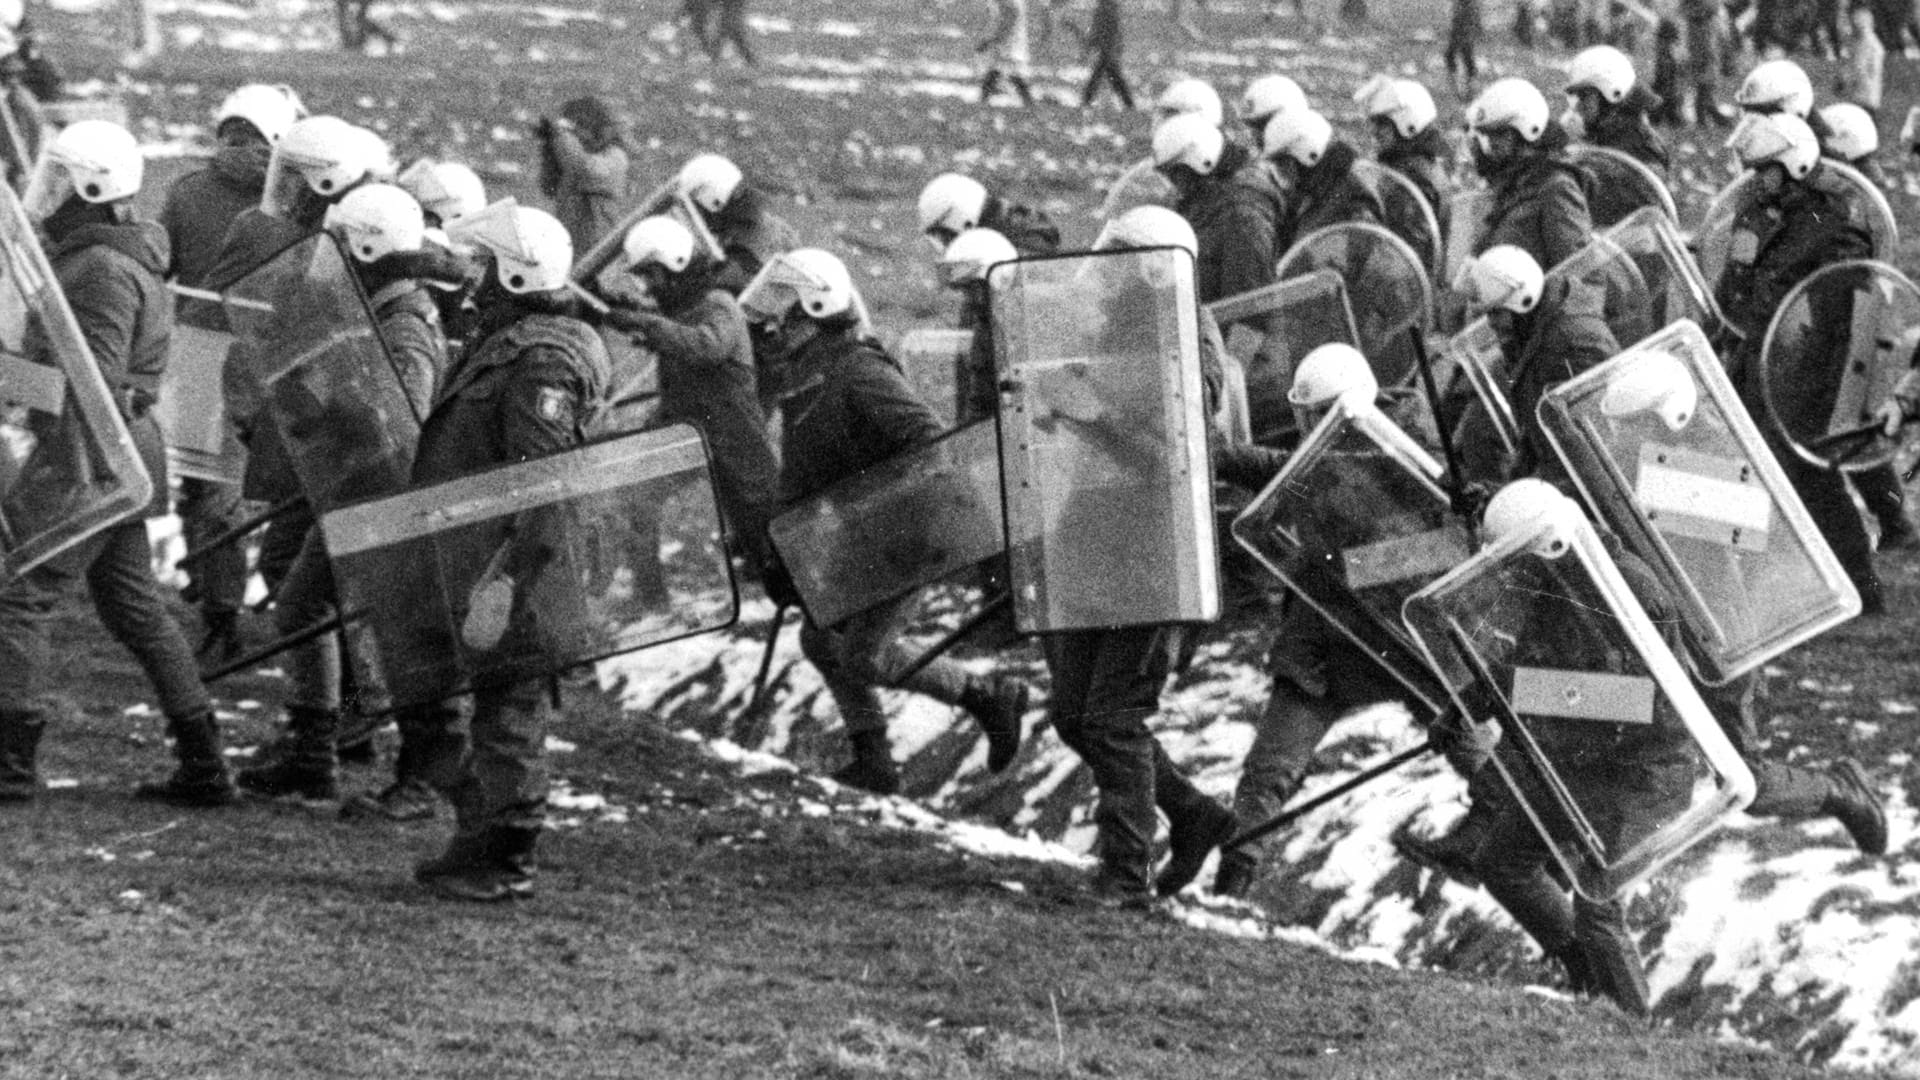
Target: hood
<point x="1334" y="166"/>
<point x="142" y="241"/>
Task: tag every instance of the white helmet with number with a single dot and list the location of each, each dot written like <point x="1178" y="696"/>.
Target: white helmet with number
<point x="658" y="241"/>
<point x="1190" y="97"/>
<point x="1780" y="138"/>
<point x="972" y="253"/>
<point x="1302" y="136"/>
<point x="1148" y="227"/>
<point x="1332" y="372"/>
<point x="811" y="279"/>
<point x="97" y="160"/>
<point x="531" y="249"/>
<point x="1851" y="134"/>
<point x="1401" y="102"/>
<point x="1604" y="70"/>
<point x="1776" y="86"/>
<point x="951" y="203"/>
<point x="377" y="220"/>
<point x="1269" y="96"/>
<point x="1188" y="140"/>
<point x="1655" y="382"/>
<point x="445" y="189"/>
<point x="1532" y="507"/>
<point x="270" y="109"/>
<point x="1510" y="104"/>
<point x="709" y="180"/>
<point x="1503" y="277"/>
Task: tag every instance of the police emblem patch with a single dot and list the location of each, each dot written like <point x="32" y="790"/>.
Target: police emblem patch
<point x="553" y="403"/>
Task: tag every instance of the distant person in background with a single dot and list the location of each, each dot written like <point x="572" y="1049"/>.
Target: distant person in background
<point x="1105" y="40"/>
<point x="732" y="20"/>
<point x="699" y="17"/>
<point x="1177" y="11"/>
<point x="358" y="28"/>
<point x="583" y="168"/>
<point x="1463" y="37"/>
<point x="1669" y="74"/>
<point x="1703" y="32"/>
<point x="1863" y="82"/>
<point x="1007" y="50"/>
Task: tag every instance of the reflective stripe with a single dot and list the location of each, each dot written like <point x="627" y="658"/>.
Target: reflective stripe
<point x="1583" y="695"/>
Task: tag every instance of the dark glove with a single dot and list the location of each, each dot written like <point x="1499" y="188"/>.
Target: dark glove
<point x="1470" y="499"/>
<point x="777" y="581"/>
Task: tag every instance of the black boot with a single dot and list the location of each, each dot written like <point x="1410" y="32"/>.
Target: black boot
<point x="222" y="641"/>
<point x="872" y="768"/>
<point x="1190" y="839"/>
<point x="308" y="769"/>
<point x="486" y="867"/>
<point x="989" y="85"/>
<point x="19" y="748"/>
<point x="1853" y="803"/>
<point x="1026" y="92"/>
<point x="999" y="704"/>
<point x="201" y="779"/>
<point x="1451" y="854"/>
<point x="1234" y="878"/>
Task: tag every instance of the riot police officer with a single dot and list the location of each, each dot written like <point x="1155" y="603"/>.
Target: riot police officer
<point x="743" y="222"/>
<point x="1229" y="198"/>
<point x="963" y="269"/>
<point x="1316" y="168"/>
<point x="1406" y="137"/>
<point x="1607" y="104"/>
<point x="1539" y="197"/>
<point x="951" y="203"/>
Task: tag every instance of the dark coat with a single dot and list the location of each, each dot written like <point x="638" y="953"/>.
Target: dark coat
<point x="855" y="410"/>
<point x="1330" y="194"/>
<point x="409" y="324"/>
<point x="1540" y="206"/>
<point x="1624" y="127"/>
<point x="749" y="233"/>
<point x="1235" y="214"/>
<point x="201" y="206"/>
<point x="1564" y="335"/>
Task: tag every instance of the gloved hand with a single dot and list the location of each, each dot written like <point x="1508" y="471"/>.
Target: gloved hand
<point x="489" y="611"/>
<point x="778" y="582"/>
<point x="1466" y="744"/>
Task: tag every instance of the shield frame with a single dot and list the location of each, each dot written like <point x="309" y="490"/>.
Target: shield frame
<point x="1116" y="201"/>
<point x="1267" y="302"/>
<point x="1585" y="154"/>
<point x="1466" y="357"/>
<point x="1423" y="320"/>
<point x="1386" y="176"/>
<point x="664" y="199"/>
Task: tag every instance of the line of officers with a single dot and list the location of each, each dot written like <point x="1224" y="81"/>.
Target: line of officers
<point x="477" y="302"/>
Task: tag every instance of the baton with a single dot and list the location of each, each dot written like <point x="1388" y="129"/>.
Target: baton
<point x="226" y="539"/>
<point x="293" y="640"/>
<point x="940" y="648"/>
<point x="1425" y="364"/>
<point x="1845" y="441"/>
<point x="1294" y="813"/>
<point x="766" y="659"/>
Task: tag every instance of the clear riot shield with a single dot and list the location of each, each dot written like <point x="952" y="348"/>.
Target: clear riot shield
<point x="601" y="264"/>
<point x="1409" y="216"/>
<point x="935" y="362"/>
<point x="1602" y="732"/>
<point x="193" y="407"/>
<point x="531" y="568"/>
<point x="1833" y="353"/>
<point x="1103" y="441"/>
<point x="1140" y="185"/>
<point x="1355" y="524"/>
<point x="1644" y="276"/>
<point x="334" y="396"/>
<point x="1663" y="450"/>
<point x="1269" y="329"/>
<point x="1622" y="185"/>
<point x="897" y="527"/>
<point x="1713" y="240"/>
<point x="1388" y="287"/>
<point x="1467" y="211"/>
<point x="68" y="467"/>
<point x="1473" y="379"/>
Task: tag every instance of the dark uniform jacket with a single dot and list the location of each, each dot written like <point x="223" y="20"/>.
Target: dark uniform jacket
<point x="749" y="233"/>
<point x="1624" y="127"/>
<point x="1235" y="214"/>
<point x="1540" y="206"/>
<point x="855" y="410"/>
<point x="409" y="324"/>
<point x="1027" y="228"/>
<point x="200" y="207"/>
<point x="1330" y="194"/>
<point x="1423" y="159"/>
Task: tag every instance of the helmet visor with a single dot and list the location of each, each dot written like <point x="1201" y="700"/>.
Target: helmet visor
<point x="776" y="290"/>
<point x="48" y="189"/>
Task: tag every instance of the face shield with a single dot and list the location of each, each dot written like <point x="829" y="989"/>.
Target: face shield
<point x="287" y="194"/>
<point x="48" y="189"/>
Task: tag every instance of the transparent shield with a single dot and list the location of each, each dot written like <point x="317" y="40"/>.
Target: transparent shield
<point x="1473" y="378"/>
<point x="1622" y="185"/>
<point x="332" y="391"/>
<point x="1355" y="524"/>
<point x="193" y="407"/>
<point x="601" y="263"/>
<point x="897" y="527"/>
<point x="1713" y="240"/>
<point x="68" y="467"/>
<point x="1604" y="737"/>
<point x="1409" y="216"/>
<point x="1387" y="286"/>
<point x="1467" y="211"/>
<point x="16" y="146"/>
<point x="1641" y="269"/>
<point x="1140" y="185"/>
<point x="1832" y="355"/>
<point x="635" y="399"/>
<point x="1270" y="329"/>
<point x="1103" y="443"/>
<point x="1663" y="450"/>
<point x="528" y="569"/>
<point x="935" y="362"/>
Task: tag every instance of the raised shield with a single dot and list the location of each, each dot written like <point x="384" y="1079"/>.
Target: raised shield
<point x="1355" y="524"/>
<point x="1140" y="185"/>
<point x="528" y="569"/>
<point x="337" y="402"/>
<point x="1713" y="240"/>
<point x="1602" y="729"/>
<point x="1409" y="216"/>
<point x="935" y="361"/>
<point x="1665" y="453"/>
<point x="1269" y="329"/>
<point x="68" y="467"/>
<point x="1387" y="286"/>
<point x="1623" y="184"/>
<point x="1472" y="376"/>
<point x="1103" y="442"/>
<point x="1641" y="269"/>
<point x="600" y="264"/>
<point x="1833" y="353"/>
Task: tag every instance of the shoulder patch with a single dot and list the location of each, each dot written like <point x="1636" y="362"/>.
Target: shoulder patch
<point x="553" y="403"/>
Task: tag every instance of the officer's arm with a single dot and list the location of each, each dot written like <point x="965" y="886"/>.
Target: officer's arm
<point x="106" y="303"/>
<point x="546" y="406"/>
<point x="1253" y="255"/>
<point x="419" y="353"/>
<point x="707" y="341"/>
<point x="1563" y="224"/>
<point x="889" y="408"/>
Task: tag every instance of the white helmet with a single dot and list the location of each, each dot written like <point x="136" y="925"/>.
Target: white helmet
<point x="95" y="159"/>
<point x="1302" y="136"/>
<point x="1269" y="96"/>
<point x="1401" y="102"/>
<point x="1776" y="86"/>
<point x="445" y="189"/>
<point x="972" y="253"/>
<point x="1502" y="277"/>
<point x="1190" y="97"/>
<point x="1190" y="140"/>
<point x="1603" y="69"/>
<point x="709" y="180"/>
<point x="952" y="204"/>
<point x="12" y="14"/>
<point x="1532" y="507"/>
<point x="1510" y="104"/>
<point x="811" y="279"/>
<point x="658" y="241"/>
<point x="1332" y="372"/>
<point x="376" y="220"/>
<point x="325" y="154"/>
<point x="270" y="109"/>
<point x="1148" y="227"/>
<point x="1655" y="382"/>
<point x="1782" y="138"/>
<point x="531" y="249"/>
<point x="1851" y="134"/>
